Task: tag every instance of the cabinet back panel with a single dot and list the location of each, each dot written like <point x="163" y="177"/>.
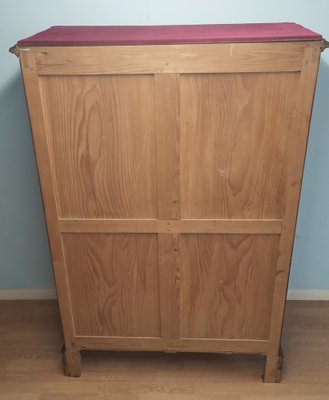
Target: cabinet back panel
<point x="170" y="177"/>
<point x="227" y="284"/>
<point x="234" y="131"/>
<point x="114" y="284"/>
<point x="100" y="133"/>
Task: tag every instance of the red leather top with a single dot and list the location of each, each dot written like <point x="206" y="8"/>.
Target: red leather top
<point x="175" y="34"/>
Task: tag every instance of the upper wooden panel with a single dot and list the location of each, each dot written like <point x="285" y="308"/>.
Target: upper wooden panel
<point x="100" y="133"/>
<point x="114" y="284"/>
<point x="233" y="138"/>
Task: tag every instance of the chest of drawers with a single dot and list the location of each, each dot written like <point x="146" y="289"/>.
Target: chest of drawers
<point x="170" y="163"/>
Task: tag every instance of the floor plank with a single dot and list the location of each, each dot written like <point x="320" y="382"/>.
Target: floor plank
<point x="31" y="365"/>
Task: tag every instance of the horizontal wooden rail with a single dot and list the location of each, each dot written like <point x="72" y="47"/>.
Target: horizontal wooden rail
<point x="174" y="345"/>
<point x="243" y="226"/>
<point x="191" y="58"/>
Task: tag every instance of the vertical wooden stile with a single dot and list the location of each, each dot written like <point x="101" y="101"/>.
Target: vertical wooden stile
<point x="29" y="71"/>
<point x="168" y="183"/>
<point x="295" y="158"/>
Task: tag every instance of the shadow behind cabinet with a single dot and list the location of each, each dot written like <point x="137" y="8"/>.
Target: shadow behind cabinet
<point x="170" y="162"/>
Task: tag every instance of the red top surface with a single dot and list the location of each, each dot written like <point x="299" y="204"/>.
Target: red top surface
<point x="174" y="34"/>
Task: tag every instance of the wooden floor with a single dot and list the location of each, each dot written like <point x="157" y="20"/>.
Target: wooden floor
<point x="31" y="364"/>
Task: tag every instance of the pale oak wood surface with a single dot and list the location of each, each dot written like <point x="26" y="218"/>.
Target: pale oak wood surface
<point x="149" y="140"/>
<point x="31" y="367"/>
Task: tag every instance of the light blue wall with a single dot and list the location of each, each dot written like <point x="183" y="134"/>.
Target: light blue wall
<point x="24" y="254"/>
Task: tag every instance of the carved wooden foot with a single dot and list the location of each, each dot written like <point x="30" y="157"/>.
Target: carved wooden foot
<point x="273" y="366"/>
<point x="72" y="361"/>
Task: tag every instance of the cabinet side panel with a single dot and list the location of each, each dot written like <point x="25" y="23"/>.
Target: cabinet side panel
<point x="100" y="132"/>
<point x="114" y="284"/>
<point x="234" y="130"/>
<point x="227" y="284"/>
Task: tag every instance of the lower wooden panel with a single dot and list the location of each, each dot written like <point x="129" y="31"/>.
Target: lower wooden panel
<point x="113" y="281"/>
<point x="172" y="345"/>
<point x="227" y="284"/>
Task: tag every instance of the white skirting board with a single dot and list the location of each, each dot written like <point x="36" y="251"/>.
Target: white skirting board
<point x="308" y="294"/>
<point x="28" y="294"/>
<point x="50" y="294"/>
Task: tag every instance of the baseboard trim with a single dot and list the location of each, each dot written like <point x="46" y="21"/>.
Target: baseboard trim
<point x="28" y="294"/>
<point x="308" y="294"/>
<point x="50" y="294"/>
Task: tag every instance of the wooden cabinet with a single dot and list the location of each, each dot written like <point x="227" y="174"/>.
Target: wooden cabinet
<point x="170" y="162"/>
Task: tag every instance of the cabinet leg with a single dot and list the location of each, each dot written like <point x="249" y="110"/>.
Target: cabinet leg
<point x="72" y="361"/>
<point x="272" y="368"/>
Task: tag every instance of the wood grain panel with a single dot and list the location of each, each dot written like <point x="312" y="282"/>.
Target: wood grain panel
<point x="101" y="140"/>
<point x="113" y="283"/>
<point x="188" y="58"/>
<point x="227" y="285"/>
<point x="233" y="137"/>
